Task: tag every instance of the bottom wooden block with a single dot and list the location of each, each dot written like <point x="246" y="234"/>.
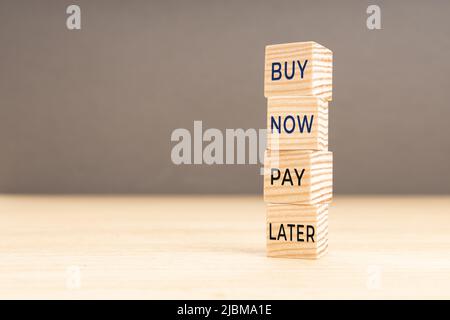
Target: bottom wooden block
<point x="297" y="231"/>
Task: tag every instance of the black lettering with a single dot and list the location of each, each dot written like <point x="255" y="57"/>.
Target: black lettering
<point x="309" y="233"/>
<point x="272" y="178"/>
<point x="282" y="233"/>
<point x="291" y="226"/>
<point x="270" y="232"/>
<point x="299" y="177"/>
<point x="286" y="174"/>
<point x="278" y="71"/>
<point x="300" y="233"/>
<point x="302" y="68"/>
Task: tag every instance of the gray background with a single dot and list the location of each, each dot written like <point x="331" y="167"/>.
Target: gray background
<point x="92" y="111"/>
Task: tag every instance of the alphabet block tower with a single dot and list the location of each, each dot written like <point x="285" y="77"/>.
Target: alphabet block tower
<point x="297" y="166"/>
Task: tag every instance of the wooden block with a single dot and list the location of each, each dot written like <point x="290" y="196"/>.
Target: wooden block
<point x="296" y="123"/>
<point x="298" y="176"/>
<point x="299" y="69"/>
<point x="297" y="231"/>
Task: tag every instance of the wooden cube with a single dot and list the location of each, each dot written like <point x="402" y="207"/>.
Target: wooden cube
<point x="299" y="69"/>
<point x="298" y="176"/>
<point x="297" y="231"/>
<point x="297" y="123"/>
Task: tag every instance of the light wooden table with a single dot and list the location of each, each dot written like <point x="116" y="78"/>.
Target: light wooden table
<point x="214" y="247"/>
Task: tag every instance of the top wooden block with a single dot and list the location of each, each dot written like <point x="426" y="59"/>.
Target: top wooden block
<point x="298" y="69"/>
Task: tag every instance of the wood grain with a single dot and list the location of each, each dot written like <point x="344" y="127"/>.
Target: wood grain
<point x="316" y="183"/>
<point x="317" y="76"/>
<point x="295" y="135"/>
<point x="294" y="219"/>
<point x="183" y="247"/>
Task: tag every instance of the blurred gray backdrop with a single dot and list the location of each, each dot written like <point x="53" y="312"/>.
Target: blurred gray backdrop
<point x="92" y="111"/>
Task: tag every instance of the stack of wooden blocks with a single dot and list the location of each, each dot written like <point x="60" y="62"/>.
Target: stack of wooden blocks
<point x="298" y="168"/>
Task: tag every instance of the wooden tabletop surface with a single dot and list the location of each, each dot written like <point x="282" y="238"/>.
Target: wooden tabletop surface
<point x="214" y="247"/>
